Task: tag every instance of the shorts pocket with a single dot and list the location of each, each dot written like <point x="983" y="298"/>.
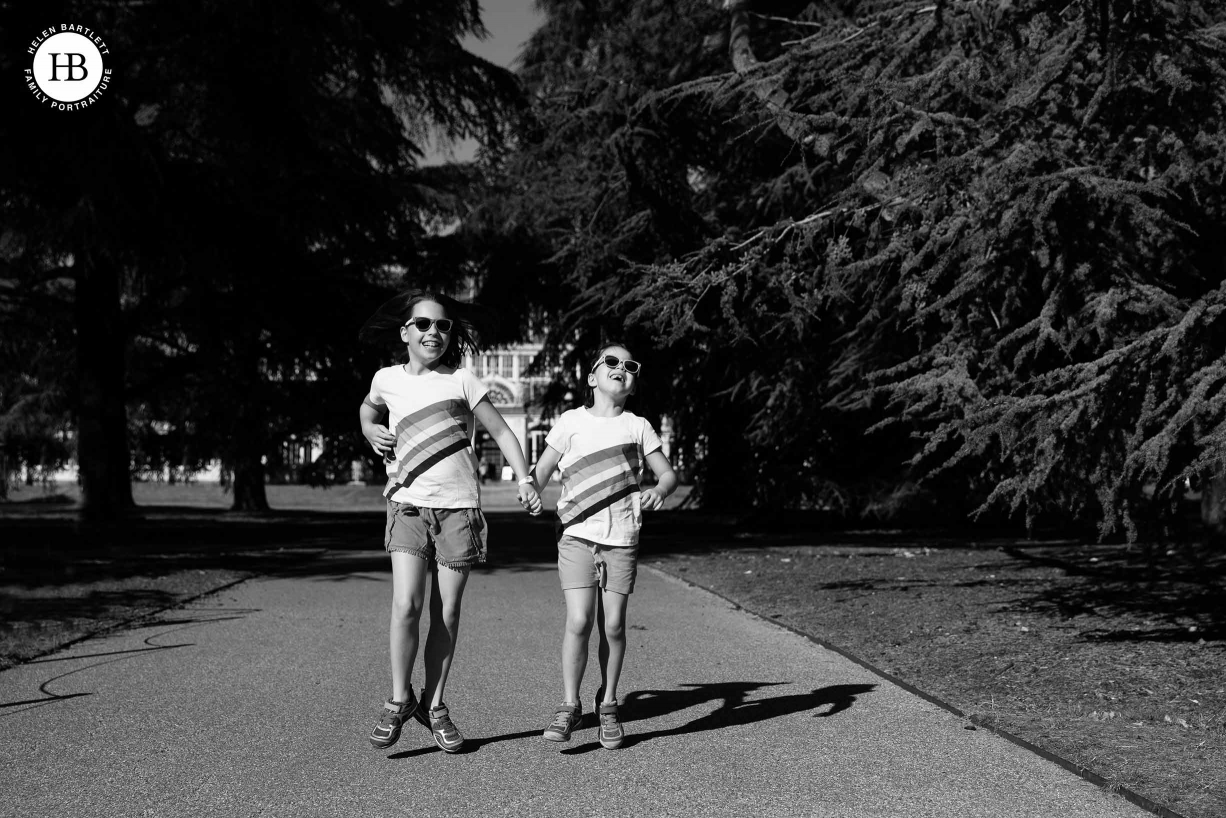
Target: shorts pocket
<point x="476" y="532"/>
<point x="391" y="522"/>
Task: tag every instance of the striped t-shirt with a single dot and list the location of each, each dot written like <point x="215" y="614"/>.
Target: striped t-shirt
<point x="601" y="463"/>
<point x="432" y="417"/>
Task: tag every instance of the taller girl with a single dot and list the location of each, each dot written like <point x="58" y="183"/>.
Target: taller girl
<point x="433" y="493"/>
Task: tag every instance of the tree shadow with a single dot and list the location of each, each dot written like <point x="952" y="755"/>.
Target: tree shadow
<point x="164" y="628"/>
<point x="1177" y="600"/>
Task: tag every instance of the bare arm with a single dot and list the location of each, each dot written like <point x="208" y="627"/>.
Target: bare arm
<point x="546" y="466"/>
<point x="508" y="444"/>
<point x="379" y="436"/>
<point x="666" y="481"/>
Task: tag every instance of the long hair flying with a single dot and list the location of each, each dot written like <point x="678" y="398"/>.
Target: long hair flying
<point x="472" y="323"/>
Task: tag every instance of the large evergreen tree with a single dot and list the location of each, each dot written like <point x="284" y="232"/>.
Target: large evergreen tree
<point x="990" y="227"/>
<point x="248" y="187"/>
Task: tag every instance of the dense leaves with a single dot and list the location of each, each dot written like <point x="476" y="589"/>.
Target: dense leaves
<point x="973" y="243"/>
<point x="247" y="190"/>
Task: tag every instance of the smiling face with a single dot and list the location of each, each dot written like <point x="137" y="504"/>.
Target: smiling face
<point x="426" y="348"/>
<point x="614" y="382"/>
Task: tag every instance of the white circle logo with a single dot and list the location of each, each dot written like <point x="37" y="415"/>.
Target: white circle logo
<point x="68" y="72"/>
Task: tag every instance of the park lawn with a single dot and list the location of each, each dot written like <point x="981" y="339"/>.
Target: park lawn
<point x="1091" y="652"/>
<point x="1086" y="651"/>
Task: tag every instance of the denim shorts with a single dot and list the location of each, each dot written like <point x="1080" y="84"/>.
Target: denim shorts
<point x="585" y="564"/>
<point x="452" y="537"/>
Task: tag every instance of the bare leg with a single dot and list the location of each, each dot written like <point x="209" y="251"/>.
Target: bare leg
<point x="408" y="592"/>
<point x="602" y="649"/>
<point x="446" y="594"/>
<point x="612" y="640"/>
<point x="580" y="603"/>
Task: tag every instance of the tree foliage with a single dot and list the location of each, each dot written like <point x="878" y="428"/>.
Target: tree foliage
<point x="964" y="243"/>
<point x="243" y="194"/>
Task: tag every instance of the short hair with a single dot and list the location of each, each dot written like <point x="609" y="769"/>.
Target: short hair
<point x="589" y="399"/>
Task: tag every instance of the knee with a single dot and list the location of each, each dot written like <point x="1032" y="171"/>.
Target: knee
<point x="614" y="628"/>
<point x="405" y="609"/>
<point x="579" y="623"/>
<point x="449" y="613"/>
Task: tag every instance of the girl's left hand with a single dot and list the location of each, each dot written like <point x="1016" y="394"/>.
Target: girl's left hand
<point x="529" y="499"/>
<point x="650" y="500"/>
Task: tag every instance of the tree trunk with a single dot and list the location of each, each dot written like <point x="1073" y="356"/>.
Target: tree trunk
<point x="727" y="458"/>
<point x="102" y="420"/>
<point x="249" y="493"/>
<point x="250" y="434"/>
<point x="772" y="95"/>
<point x="1213" y="501"/>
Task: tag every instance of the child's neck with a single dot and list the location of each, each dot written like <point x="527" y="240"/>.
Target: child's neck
<point x="603" y="407"/>
<point x="416" y="367"/>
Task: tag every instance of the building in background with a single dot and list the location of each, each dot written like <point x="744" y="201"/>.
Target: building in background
<point x="518" y="396"/>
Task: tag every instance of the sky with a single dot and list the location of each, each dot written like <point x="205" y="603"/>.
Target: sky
<point x="510" y="24"/>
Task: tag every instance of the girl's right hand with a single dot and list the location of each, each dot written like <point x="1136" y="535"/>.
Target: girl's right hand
<point x="530" y="499"/>
<point x="650" y="500"/>
<point x="380" y="438"/>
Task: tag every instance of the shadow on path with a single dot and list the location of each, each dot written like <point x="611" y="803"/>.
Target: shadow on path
<point x="645" y="705"/>
<point x="165" y="628"/>
<point x="735" y="710"/>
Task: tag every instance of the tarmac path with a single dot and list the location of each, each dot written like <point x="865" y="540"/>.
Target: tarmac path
<point x="257" y="701"/>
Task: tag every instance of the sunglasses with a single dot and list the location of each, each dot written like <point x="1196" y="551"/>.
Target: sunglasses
<point x="613" y="362"/>
<point x="424" y="324"/>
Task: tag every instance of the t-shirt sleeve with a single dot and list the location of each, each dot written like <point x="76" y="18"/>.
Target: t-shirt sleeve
<point x="472" y="388"/>
<point x="375" y="396"/>
<point x="558" y="435"/>
<point x="649" y="438"/>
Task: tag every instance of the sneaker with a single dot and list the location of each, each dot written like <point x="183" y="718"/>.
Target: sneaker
<point x="565" y="720"/>
<point x="446" y="735"/>
<point x="387" y="731"/>
<point x="611" y="732"/>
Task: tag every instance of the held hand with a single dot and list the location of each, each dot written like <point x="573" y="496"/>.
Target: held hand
<point x="651" y="500"/>
<point x="380" y="438"/>
<point x="529" y="499"/>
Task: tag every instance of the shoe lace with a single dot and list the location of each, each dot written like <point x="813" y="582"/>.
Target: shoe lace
<point x="391" y="718"/>
<point x="443" y="724"/>
<point x="609" y="719"/>
<point x="562" y="720"/>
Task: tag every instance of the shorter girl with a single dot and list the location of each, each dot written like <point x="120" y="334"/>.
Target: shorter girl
<point x="434" y="517"/>
<point x="600" y="450"/>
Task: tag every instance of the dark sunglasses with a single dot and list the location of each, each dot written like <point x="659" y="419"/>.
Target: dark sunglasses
<point x="613" y="362"/>
<point x="424" y="324"/>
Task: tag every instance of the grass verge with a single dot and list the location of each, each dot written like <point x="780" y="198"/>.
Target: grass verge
<point x="1091" y="652"/>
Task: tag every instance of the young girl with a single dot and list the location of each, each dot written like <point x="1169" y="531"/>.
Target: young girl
<point x="600" y="449"/>
<point x="433" y="499"/>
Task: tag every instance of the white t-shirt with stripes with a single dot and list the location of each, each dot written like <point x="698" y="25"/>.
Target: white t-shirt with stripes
<point x="601" y="464"/>
<point x="432" y="417"/>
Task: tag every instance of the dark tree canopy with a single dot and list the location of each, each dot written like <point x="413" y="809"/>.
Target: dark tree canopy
<point x="247" y="190"/>
<point x="900" y="253"/>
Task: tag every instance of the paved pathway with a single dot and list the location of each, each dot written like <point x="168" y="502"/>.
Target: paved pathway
<point x="257" y="702"/>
